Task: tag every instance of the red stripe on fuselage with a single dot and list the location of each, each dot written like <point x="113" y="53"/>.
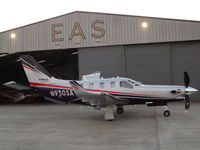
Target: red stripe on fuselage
<point x="49" y="85"/>
<point x="92" y="90"/>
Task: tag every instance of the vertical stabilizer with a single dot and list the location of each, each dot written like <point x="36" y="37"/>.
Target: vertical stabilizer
<point x="34" y="71"/>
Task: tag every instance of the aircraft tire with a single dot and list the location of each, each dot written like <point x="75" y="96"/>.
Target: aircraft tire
<point x="120" y="110"/>
<point x="166" y="113"/>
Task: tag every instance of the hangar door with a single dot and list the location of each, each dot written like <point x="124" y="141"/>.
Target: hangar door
<point x="149" y="63"/>
<point x="186" y="57"/>
<point x="108" y="60"/>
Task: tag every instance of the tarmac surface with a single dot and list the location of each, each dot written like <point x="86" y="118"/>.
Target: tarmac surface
<point x="71" y="127"/>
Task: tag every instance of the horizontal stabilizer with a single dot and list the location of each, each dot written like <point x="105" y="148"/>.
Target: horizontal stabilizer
<point x="17" y="86"/>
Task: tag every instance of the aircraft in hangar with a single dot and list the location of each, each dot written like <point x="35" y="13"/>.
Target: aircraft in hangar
<point x="108" y="93"/>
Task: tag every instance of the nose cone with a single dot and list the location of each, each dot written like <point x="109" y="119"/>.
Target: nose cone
<point x="191" y="90"/>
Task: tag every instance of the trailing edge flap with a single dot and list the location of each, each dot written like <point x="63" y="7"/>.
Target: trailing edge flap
<point x="82" y="93"/>
<point x="17" y="86"/>
<point x="58" y="102"/>
<point x="116" y="98"/>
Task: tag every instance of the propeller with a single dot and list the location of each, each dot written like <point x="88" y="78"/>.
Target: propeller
<point x="187" y="98"/>
<point x="187" y="102"/>
<point x="186" y="79"/>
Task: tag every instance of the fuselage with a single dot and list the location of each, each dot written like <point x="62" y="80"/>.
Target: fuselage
<point x="124" y="88"/>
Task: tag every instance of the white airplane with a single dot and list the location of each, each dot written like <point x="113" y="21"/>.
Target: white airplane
<point x="106" y="93"/>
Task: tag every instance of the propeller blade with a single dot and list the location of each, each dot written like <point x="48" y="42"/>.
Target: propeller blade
<point x="186" y="79"/>
<point x="187" y="102"/>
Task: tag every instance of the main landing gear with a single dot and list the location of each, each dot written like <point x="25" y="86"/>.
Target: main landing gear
<point x="166" y="112"/>
<point x="120" y="110"/>
<point x="109" y="113"/>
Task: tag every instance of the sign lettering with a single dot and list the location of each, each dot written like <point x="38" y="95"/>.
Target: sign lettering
<point x="74" y="32"/>
<point x="55" y="32"/>
<point x="77" y="31"/>
<point x="95" y="27"/>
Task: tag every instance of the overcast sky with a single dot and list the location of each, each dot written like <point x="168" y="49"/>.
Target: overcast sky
<point x="16" y="13"/>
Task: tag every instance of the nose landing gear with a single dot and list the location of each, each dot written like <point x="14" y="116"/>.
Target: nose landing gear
<point x="166" y="112"/>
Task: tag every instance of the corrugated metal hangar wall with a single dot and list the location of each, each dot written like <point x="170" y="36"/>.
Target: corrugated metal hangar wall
<point x="162" y="63"/>
<point x="83" y="29"/>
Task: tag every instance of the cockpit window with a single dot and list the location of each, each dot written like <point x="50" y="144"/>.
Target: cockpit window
<point x="134" y="83"/>
<point x="125" y="84"/>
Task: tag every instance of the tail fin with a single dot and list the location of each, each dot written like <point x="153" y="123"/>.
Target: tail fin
<point x="34" y="71"/>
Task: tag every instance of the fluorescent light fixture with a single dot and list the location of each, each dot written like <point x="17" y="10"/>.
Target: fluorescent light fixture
<point x="41" y="61"/>
<point x="3" y="54"/>
<point x="74" y="53"/>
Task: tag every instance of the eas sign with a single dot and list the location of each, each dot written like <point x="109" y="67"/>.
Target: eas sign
<point x="77" y="31"/>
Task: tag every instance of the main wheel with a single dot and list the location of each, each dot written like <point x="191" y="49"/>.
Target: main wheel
<point x="120" y="110"/>
<point x="166" y="113"/>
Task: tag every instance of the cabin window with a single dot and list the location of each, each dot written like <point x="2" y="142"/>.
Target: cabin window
<point x="102" y="85"/>
<point x="112" y="84"/>
<point x="91" y="85"/>
<point x="125" y="84"/>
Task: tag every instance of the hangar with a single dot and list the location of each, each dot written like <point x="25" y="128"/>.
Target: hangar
<point x="147" y="49"/>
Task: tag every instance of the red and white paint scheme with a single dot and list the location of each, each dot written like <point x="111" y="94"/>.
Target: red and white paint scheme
<point x="106" y="93"/>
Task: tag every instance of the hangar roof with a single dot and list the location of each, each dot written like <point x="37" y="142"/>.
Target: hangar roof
<point x="88" y="29"/>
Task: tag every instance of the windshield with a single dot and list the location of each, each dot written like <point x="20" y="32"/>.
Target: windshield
<point x="134" y="82"/>
<point x="125" y="84"/>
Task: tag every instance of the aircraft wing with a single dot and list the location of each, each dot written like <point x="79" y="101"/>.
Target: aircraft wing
<point x="95" y="98"/>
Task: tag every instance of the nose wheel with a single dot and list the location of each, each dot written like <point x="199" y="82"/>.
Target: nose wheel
<point x="166" y="113"/>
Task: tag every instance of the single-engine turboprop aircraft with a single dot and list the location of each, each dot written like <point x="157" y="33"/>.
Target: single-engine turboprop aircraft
<point x="104" y="93"/>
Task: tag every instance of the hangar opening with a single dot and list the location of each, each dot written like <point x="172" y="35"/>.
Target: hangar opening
<point x="61" y="64"/>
